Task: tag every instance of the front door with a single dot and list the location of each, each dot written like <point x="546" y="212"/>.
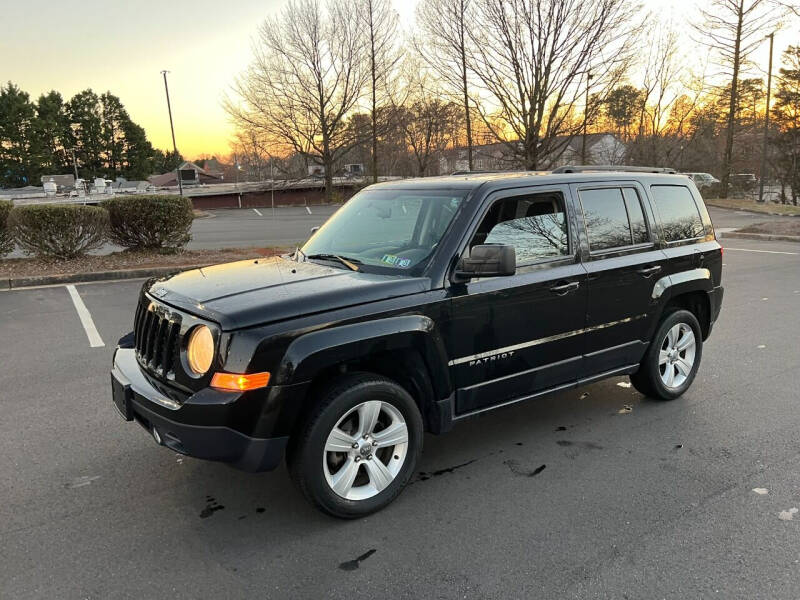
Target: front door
<point x="513" y="336"/>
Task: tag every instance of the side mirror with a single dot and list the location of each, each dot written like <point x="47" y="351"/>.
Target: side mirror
<point x="488" y="260"/>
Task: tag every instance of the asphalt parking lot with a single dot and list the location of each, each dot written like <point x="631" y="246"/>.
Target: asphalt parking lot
<point x="637" y="498"/>
<point x="229" y="228"/>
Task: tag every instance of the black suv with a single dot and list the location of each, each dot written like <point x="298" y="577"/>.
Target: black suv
<point x="418" y="304"/>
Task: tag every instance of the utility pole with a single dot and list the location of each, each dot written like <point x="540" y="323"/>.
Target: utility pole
<point x="172" y="129"/>
<point x="763" y="173"/>
<point x="236" y="168"/>
<point x="585" y="119"/>
<point x="75" y="165"/>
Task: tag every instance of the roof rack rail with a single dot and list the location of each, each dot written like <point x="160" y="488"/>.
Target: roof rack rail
<point x="621" y="168"/>
<point x="468" y="172"/>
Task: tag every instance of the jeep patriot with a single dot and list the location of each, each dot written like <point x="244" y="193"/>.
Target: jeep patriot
<point x="418" y="304"/>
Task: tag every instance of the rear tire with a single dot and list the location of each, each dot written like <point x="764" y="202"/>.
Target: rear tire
<point x="670" y="364"/>
<point x="359" y="447"/>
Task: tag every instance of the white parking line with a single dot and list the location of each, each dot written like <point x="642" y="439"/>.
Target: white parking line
<point x="765" y="251"/>
<point x="308" y="210"/>
<point x="95" y="341"/>
<point x="257" y="212"/>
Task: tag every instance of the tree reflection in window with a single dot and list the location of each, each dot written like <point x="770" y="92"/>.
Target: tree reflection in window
<point x="606" y="218"/>
<point x="535" y="225"/>
<point x="680" y="218"/>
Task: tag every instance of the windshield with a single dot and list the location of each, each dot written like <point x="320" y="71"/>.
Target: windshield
<point x="392" y="229"/>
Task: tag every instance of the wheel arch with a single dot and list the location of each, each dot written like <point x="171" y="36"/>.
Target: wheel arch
<point x="406" y="349"/>
<point x="688" y="290"/>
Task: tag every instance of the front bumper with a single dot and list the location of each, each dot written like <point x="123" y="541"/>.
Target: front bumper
<point x="197" y="426"/>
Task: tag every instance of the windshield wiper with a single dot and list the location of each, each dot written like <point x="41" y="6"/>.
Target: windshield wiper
<point x="347" y="262"/>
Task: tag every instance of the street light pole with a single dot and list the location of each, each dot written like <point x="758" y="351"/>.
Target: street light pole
<point x="236" y="168"/>
<point x="272" y="184"/>
<point x="172" y="129"/>
<point x="763" y="173"/>
<point x="75" y="165"/>
<point x="585" y="119"/>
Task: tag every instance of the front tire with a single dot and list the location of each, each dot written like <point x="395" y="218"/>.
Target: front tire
<point x="359" y="447"/>
<point x="670" y="364"/>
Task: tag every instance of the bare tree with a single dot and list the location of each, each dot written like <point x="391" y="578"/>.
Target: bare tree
<point x="532" y="59"/>
<point x="308" y="74"/>
<point x="380" y="22"/>
<point x="669" y="94"/>
<point x="428" y="122"/>
<point x="444" y="49"/>
<point x="733" y="29"/>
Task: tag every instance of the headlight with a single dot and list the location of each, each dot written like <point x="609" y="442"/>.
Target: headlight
<point x="200" y="349"/>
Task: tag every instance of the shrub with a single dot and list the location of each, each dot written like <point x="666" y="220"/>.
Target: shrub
<point x="6" y="240"/>
<point x="58" y="230"/>
<point x="150" y="221"/>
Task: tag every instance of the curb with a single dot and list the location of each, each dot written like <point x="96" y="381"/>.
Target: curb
<point x="764" y="237"/>
<point x="14" y="283"/>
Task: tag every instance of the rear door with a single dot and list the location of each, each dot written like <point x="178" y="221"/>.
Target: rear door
<point x="513" y="336"/>
<point x="623" y="262"/>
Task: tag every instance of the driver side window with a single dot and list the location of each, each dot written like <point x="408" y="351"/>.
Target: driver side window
<point x="535" y="224"/>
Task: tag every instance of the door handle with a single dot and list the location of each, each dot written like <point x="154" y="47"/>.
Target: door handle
<point x="647" y="271"/>
<point x="565" y="288"/>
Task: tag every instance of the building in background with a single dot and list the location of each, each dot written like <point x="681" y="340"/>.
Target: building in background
<point x="191" y="174"/>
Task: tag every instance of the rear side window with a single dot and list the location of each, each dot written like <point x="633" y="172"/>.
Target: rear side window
<point x="680" y="219"/>
<point x="635" y="216"/>
<point x="613" y="220"/>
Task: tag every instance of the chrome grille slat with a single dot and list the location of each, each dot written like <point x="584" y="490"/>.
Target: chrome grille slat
<point x="158" y="344"/>
<point x="156" y="334"/>
<point x="151" y="334"/>
<point x="167" y="359"/>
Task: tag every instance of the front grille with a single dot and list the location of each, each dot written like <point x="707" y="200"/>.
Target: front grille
<point x="156" y="337"/>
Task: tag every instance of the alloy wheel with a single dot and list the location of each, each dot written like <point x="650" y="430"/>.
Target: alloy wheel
<point x="365" y="450"/>
<point x="677" y="354"/>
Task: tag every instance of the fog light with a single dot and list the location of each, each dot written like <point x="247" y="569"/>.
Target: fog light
<point x="157" y="437"/>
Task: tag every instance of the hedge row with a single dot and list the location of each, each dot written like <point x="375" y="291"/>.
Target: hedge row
<point x="6" y="239"/>
<point x="70" y="230"/>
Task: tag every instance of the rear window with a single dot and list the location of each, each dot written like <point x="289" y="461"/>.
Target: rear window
<point x="680" y="219"/>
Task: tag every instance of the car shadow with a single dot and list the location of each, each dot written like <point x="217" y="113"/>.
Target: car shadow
<point x="248" y="506"/>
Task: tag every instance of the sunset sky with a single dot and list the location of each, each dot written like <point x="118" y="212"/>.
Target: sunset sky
<point x="123" y="46"/>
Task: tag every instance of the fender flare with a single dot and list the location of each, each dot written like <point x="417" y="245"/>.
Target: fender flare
<point x="313" y="352"/>
<point x="673" y="285"/>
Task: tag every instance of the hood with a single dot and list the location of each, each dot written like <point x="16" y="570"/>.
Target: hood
<point x="265" y="290"/>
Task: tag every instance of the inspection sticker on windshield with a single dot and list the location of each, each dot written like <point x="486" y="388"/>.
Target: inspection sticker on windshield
<point x="396" y="261"/>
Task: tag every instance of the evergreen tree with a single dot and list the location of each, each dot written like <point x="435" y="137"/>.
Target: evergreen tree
<point x="139" y="157"/>
<point x="53" y="136"/>
<point x="786" y="113"/>
<point x="17" y="113"/>
<point x="86" y="120"/>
